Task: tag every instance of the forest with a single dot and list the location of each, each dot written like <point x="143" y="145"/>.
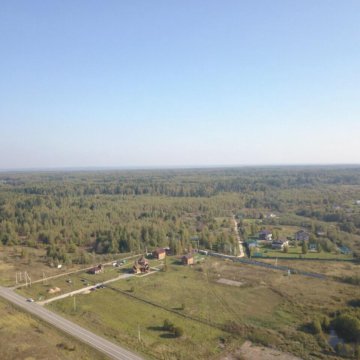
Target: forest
<point x="74" y="214"/>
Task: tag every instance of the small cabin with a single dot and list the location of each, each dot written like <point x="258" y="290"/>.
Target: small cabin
<point x="188" y="259"/>
<point x="159" y="253"/>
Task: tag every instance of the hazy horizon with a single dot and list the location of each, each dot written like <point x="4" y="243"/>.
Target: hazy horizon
<point x="179" y="84"/>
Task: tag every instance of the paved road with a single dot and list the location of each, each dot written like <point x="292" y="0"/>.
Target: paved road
<point x="86" y="336"/>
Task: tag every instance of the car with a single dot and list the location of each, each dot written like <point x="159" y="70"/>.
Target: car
<point x="30" y="300"/>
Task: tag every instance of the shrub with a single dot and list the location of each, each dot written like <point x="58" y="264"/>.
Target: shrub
<point x="168" y="325"/>
<point x="178" y="331"/>
<point x="348" y="327"/>
<point x="315" y="327"/>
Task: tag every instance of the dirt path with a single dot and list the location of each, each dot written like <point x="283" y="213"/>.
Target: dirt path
<point x="241" y="249"/>
<point x="83" y="290"/>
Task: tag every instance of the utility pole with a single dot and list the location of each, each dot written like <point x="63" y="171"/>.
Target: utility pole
<point x="139" y="334"/>
<point x="74" y="302"/>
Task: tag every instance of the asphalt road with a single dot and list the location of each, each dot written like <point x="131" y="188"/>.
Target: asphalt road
<point x="86" y="336"/>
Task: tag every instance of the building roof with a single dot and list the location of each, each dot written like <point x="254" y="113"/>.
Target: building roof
<point x="159" y="251"/>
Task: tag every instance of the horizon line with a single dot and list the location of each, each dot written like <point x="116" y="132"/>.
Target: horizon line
<point x="169" y="167"/>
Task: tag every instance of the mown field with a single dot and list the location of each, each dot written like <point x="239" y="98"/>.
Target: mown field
<point x="268" y="308"/>
<point x="25" y="337"/>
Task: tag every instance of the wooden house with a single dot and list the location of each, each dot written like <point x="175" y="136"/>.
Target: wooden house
<point x="141" y="265"/>
<point x="187" y="259"/>
<point x="159" y="253"/>
<point x="96" y="270"/>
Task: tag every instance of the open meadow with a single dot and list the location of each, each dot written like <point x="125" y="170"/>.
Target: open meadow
<point x="217" y="304"/>
<point x="27" y="338"/>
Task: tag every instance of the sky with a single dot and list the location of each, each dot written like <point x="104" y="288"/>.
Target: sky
<point x="159" y="83"/>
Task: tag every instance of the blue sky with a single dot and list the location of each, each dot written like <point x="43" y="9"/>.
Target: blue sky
<point x="179" y="83"/>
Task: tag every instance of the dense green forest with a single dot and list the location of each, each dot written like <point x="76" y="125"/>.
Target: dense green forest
<point x="72" y="214"/>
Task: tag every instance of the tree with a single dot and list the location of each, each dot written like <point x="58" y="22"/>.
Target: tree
<point x="304" y="248"/>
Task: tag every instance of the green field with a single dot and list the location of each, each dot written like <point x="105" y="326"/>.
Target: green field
<point x="78" y="280"/>
<point x="296" y="252"/>
<point x="268" y="307"/>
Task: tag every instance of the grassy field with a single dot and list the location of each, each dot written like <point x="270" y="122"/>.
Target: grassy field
<point x="297" y="252"/>
<point x="268" y="308"/>
<point x="19" y="259"/>
<point x="25" y="337"/>
<point x="78" y="280"/>
<point x="329" y="268"/>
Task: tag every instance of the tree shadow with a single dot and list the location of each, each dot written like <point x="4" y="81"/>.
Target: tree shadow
<point x="155" y="328"/>
<point x="167" y="336"/>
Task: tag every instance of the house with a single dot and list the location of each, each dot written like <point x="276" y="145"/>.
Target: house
<point x="159" y="253"/>
<point x="96" y="270"/>
<point x="302" y="235"/>
<point x="203" y="252"/>
<point x="252" y="245"/>
<point x="270" y="216"/>
<point x="265" y="235"/>
<point x="141" y="265"/>
<point x="188" y="259"/>
<point x="279" y="244"/>
<point x="312" y="247"/>
<point x="345" y="250"/>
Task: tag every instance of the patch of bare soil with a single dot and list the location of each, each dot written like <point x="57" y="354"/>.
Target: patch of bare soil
<point x="248" y="351"/>
<point x="230" y="282"/>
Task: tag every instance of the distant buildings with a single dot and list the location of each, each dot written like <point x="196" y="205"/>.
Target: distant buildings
<point x="265" y="235"/>
<point x="302" y="235"/>
<point x="279" y="244"/>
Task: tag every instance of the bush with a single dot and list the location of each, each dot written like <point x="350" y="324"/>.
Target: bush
<point x="348" y="327"/>
<point x="168" y="325"/>
<point x="178" y="331"/>
<point x="325" y="323"/>
<point x="315" y="327"/>
<point x="344" y="350"/>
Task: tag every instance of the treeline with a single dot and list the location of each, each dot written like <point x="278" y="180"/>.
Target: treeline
<point x="190" y="183"/>
<point x="124" y="211"/>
